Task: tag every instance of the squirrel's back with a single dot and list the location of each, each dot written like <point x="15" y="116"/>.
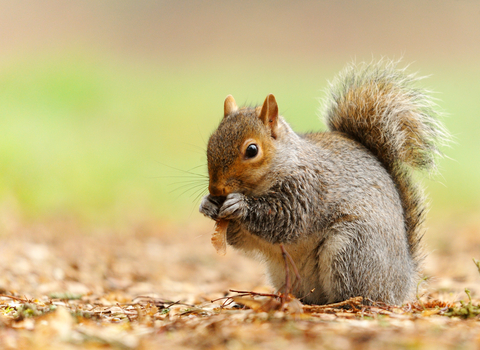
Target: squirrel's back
<point x="379" y="106"/>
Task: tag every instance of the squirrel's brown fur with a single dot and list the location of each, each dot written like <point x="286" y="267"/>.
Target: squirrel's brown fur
<point x="378" y="106"/>
<point x="342" y="202"/>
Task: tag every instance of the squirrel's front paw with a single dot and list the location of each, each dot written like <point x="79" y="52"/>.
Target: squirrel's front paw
<point x="210" y="206"/>
<point x="234" y="207"/>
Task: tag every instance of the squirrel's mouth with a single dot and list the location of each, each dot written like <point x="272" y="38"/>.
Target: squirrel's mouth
<point x="218" y="200"/>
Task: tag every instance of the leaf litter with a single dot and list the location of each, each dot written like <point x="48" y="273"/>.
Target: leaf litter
<point x="155" y="286"/>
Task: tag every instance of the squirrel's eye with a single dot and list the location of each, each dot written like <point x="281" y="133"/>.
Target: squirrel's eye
<point x="251" y="151"/>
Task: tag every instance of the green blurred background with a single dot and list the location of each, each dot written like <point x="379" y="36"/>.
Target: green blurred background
<point x="106" y="106"/>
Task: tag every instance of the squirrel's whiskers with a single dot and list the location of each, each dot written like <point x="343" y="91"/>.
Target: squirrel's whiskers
<point x="189" y="182"/>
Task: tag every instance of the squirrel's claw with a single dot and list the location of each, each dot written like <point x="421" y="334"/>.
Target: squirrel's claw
<point x="209" y="207"/>
<point x="234" y="207"/>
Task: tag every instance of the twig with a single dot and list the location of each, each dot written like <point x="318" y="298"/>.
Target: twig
<point x="129" y="319"/>
<point x="244" y="293"/>
<point x="417" y="295"/>
<point x="409" y="307"/>
<point x="14" y="298"/>
<point x="380" y="305"/>
<point x="352" y="302"/>
<point x="170" y="305"/>
<point x="214" y="300"/>
<point x="157" y="301"/>
<point x="254" y="293"/>
<point x="228" y="300"/>
<point x="306" y="295"/>
<point x="289" y="288"/>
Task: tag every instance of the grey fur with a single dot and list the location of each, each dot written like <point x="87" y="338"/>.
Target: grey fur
<point x="341" y="202"/>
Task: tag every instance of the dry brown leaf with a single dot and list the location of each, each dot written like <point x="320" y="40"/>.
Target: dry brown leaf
<point x="433" y="303"/>
<point x="294" y="306"/>
<point x="431" y="312"/>
<point x="265" y="305"/>
<point x="255" y="305"/>
<point x="219" y="237"/>
<point x="150" y="291"/>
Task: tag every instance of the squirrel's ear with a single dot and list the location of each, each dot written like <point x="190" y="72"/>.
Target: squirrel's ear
<point x="229" y="106"/>
<point x="269" y="114"/>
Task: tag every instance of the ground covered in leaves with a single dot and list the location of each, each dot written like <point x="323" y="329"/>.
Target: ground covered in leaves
<point x="151" y="286"/>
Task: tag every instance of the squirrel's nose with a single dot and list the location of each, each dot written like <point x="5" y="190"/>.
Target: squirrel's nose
<point x="216" y="190"/>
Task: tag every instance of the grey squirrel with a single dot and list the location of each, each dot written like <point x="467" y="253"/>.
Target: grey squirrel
<point x="343" y="202"/>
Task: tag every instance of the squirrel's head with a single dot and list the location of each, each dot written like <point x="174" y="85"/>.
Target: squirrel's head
<point x="240" y="151"/>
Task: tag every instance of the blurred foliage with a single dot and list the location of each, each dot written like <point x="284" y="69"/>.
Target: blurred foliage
<point x="101" y="137"/>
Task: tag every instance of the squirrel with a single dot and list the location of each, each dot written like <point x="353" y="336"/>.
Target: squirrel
<point x="343" y="202"/>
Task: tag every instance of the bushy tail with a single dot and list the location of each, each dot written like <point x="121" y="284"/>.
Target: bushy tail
<point x="378" y="105"/>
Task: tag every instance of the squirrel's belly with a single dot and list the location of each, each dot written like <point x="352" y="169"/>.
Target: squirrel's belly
<point x="311" y="286"/>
